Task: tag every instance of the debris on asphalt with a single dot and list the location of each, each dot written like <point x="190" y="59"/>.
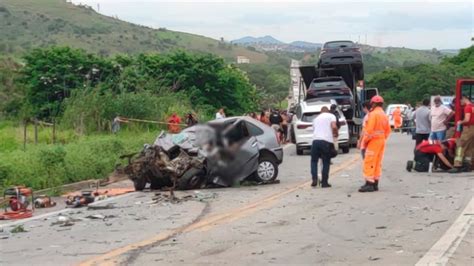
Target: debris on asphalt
<point x="77" y="201"/>
<point x="101" y="207"/>
<point x="437" y="222"/>
<point x="18" y="229"/>
<point x="201" y="196"/>
<point x="44" y="201"/>
<point x="96" y="217"/>
<point x="374" y="258"/>
<point x="381" y="227"/>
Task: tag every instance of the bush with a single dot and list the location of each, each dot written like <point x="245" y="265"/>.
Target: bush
<point x="90" y="110"/>
<point x="43" y="166"/>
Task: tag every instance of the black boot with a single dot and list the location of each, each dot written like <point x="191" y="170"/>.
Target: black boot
<point x="376" y="185"/>
<point x="324" y="183"/>
<point x="368" y="187"/>
<point x="314" y="183"/>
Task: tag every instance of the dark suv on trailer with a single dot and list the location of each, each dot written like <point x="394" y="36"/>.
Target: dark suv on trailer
<point x="341" y="53"/>
<point x="333" y="88"/>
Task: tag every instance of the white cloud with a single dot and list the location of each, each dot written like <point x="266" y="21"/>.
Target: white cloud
<point x="416" y="24"/>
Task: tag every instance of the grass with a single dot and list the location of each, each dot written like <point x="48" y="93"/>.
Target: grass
<point x="76" y="158"/>
<point x="27" y="24"/>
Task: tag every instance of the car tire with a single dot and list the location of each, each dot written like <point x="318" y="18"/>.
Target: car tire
<point x="139" y="184"/>
<point x="345" y="149"/>
<point x="299" y="151"/>
<point x="267" y="169"/>
<point x="191" y="179"/>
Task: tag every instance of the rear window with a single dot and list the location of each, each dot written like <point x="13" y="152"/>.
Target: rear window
<point x="342" y="44"/>
<point x="317" y="85"/>
<point x="309" y="117"/>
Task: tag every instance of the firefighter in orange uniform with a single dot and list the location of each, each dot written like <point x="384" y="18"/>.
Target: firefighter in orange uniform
<point x="376" y="133"/>
<point x="397" y="118"/>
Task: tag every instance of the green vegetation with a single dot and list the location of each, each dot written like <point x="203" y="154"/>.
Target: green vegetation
<point x="28" y="24"/>
<point x="83" y="92"/>
<point x="412" y="84"/>
<point x="77" y="158"/>
<point x="272" y="79"/>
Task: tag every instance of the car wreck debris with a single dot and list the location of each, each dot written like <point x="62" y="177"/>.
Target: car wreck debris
<point x="219" y="154"/>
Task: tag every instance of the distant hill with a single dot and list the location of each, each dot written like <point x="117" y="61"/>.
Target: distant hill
<point x="27" y="24"/>
<point x="308" y="45"/>
<point x="257" y="40"/>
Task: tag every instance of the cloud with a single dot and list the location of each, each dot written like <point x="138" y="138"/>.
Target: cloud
<point x="417" y="24"/>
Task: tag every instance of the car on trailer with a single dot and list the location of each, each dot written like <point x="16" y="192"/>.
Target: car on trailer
<point x="301" y="128"/>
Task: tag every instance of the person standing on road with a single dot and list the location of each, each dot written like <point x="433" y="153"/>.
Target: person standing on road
<point x="440" y="116"/>
<point x="366" y="109"/>
<point x="324" y="132"/>
<point x="376" y="133"/>
<point x="422" y="122"/>
<point x="275" y="123"/>
<point x="264" y="117"/>
<point x="220" y="114"/>
<point x="191" y="119"/>
<point x="397" y="118"/>
<point x="284" y="127"/>
<point x="465" y="145"/>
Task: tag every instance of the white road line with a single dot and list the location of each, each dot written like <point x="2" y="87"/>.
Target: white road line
<point x="42" y="216"/>
<point x="441" y="251"/>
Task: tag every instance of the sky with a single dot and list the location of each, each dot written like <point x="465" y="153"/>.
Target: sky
<point x="412" y="24"/>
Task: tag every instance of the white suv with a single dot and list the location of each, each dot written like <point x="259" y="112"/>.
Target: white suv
<point x="302" y="125"/>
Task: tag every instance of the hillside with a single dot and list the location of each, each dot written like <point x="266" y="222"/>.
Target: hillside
<point x="27" y="24"/>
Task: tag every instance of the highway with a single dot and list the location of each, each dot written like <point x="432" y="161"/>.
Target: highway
<point x="414" y="218"/>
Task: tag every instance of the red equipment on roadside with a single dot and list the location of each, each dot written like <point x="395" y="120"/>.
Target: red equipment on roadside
<point x="17" y="202"/>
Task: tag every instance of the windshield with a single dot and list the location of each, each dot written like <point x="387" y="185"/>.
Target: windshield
<point x="341" y="44"/>
<point x="316" y="85"/>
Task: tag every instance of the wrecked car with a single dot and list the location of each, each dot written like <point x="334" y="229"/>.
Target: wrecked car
<point x="220" y="153"/>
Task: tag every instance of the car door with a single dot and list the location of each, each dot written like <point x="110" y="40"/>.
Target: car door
<point x="241" y="155"/>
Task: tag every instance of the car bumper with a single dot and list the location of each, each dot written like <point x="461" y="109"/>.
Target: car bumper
<point x="341" y="60"/>
<point x="278" y="154"/>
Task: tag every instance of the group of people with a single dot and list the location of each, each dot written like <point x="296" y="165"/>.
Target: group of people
<point x="376" y="129"/>
<point x="278" y="120"/>
<point x="434" y="132"/>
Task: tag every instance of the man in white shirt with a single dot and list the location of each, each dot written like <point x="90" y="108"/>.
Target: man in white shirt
<point x="324" y="132"/>
<point x="220" y="114"/>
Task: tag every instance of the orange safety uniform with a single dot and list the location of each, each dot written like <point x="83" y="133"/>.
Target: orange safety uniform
<point x="397" y="118"/>
<point x="376" y="133"/>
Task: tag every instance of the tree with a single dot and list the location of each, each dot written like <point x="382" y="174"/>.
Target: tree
<point x="51" y="74"/>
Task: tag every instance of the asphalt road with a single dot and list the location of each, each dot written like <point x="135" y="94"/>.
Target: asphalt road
<point x="287" y="223"/>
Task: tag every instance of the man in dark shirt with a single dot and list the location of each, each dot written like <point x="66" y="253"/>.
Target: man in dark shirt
<point x="336" y="113"/>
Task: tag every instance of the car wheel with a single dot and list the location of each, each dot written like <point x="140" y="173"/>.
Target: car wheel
<point x="191" y="179"/>
<point x="345" y="149"/>
<point x="299" y="151"/>
<point x="267" y="169"/>
<point x="139" y="184"/>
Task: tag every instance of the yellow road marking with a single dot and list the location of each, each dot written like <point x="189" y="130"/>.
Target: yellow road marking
<point x="206" y="223"/>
